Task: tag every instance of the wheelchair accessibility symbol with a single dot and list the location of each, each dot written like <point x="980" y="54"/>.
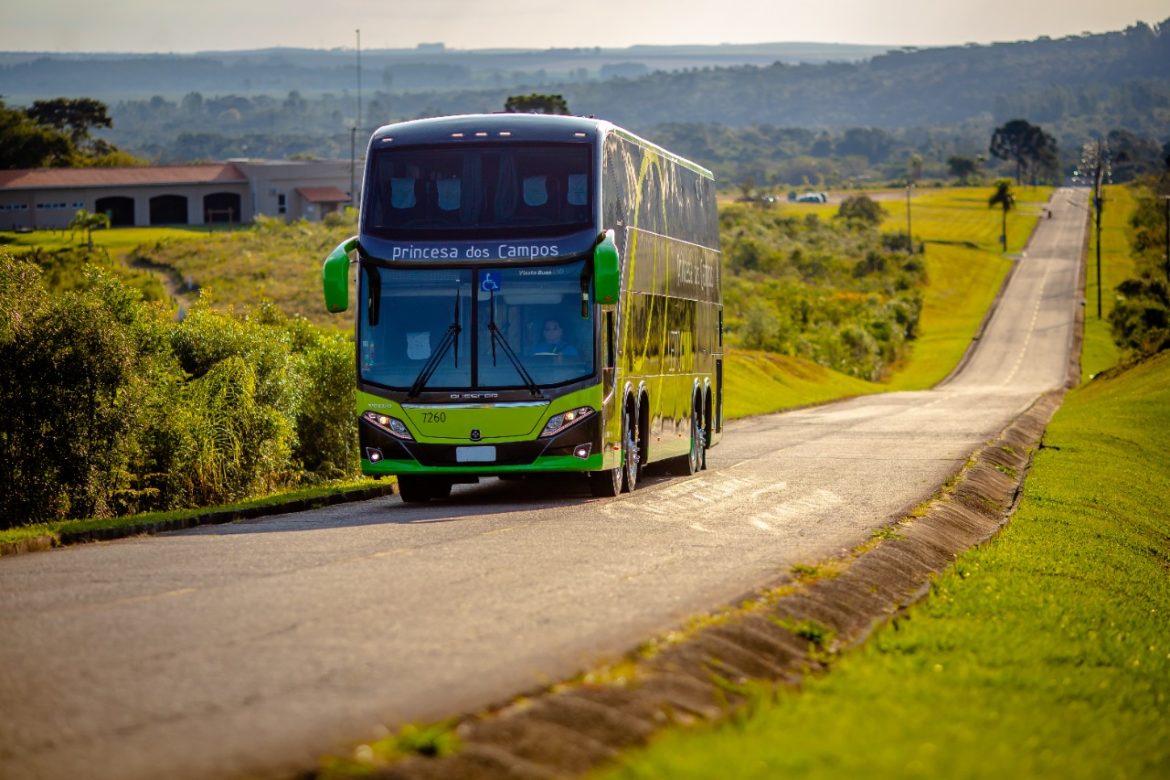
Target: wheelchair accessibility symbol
<point x="489" y="283"/>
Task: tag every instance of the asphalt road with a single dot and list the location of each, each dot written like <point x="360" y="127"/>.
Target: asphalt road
<point x="253" y="648"/>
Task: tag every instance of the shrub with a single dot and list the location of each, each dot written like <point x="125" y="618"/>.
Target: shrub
<point x="1140" y="319"/>
<point x="111" y="407"/>
<point x="861" y="208"/>
<point x="70" y="390"/>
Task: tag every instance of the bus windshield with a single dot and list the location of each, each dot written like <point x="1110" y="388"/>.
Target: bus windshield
<point x="453" y="329"/>
<point x="478" y="191"/>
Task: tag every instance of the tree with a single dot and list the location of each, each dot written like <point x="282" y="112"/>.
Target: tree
<point x="1028" y="146"/>
<point x="963" y="168"/>
<point x="84" y="220"/>
<point x="25" y="144"/>
<point x="861" y="208"/>
<point x="74" y="116"/>
<point x="536" y="104"/>
<point x="1005" y="199"/>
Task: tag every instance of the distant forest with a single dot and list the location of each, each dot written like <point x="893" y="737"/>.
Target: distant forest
<point x="778" y="124"/>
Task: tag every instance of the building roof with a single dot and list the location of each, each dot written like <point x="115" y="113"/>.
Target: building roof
<point x="322" y="194"/>
<point x="53" y="178"/>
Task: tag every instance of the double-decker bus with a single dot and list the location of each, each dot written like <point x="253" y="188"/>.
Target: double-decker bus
<point x="534" y="294"/>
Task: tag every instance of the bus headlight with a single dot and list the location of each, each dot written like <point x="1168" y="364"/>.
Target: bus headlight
<point x="391" y="425"/>
<point x="559" y="422"/>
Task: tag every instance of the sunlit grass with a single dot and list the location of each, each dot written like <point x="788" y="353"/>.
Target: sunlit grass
<point x="118" y="241"/>
<point x="763" y="382"/>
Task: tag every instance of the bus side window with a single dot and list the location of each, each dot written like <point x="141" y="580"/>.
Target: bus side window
<point x="610" y="341"/>
<point x="610" y="358"/>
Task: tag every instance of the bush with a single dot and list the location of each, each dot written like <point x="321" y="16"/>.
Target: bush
<point x="71" y="390"/>
<point x="111" y="407"/>
<point x="836" y="293"/>
<point x="861" y="208"/>
<point x="1140" y="319"/>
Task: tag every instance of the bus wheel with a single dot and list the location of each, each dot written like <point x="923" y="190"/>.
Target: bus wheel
<point x="607" y="484"/>
<point x="418" y="489"/>
<point x="697" y="457"/>
<point x="631" y="450"/>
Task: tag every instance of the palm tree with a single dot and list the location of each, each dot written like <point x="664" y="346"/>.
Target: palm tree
<point x="84" y="220"/>
<point x="1004" y="198"/>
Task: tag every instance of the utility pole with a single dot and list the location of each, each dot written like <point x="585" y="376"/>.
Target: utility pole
<point x="352" y="165"/>
<point x="353" y="131"/>
<point x="358" y="123"/>
<point x="1095" y="165"/>
<point x="909" y="234"/>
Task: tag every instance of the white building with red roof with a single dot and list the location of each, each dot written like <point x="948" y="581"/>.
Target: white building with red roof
<point x="235" y="191"/>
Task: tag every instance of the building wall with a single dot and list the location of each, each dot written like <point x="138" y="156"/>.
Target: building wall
<point x="267" y="181"/>
<point x="271" y="179"/>
<point x="53" y="209"/>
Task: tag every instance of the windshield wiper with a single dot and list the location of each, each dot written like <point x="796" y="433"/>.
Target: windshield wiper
<point x="451" y="336"/>
<point x="498" y="337"/>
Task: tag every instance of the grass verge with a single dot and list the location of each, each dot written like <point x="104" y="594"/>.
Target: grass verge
<point x="67" y="531"/>
<point x="1043" y="653"/>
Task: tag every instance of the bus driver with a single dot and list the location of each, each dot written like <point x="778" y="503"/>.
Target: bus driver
<point x="553" y="342"/>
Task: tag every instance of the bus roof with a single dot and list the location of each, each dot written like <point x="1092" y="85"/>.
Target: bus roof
<point x="516" y="127"/>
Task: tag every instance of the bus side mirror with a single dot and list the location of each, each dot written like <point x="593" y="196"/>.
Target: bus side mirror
<point x="606" y="270"/>
<point x="335" y="276"/>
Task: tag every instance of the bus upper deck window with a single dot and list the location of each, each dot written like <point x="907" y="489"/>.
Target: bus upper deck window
<point x="578" y="189"/>
<point x="449" y="192"/>
<point x="402" y="193"/>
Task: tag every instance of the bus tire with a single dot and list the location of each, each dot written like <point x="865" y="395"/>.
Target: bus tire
<point x="631" y="449"/>
<point x="608" y="483"/>
<point x="413" y="489"/>
<point x="693" y="461"/>
<point x="419" y="489"/>
<point x="697" y="456"/>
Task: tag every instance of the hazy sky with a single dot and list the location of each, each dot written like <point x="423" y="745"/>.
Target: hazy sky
<point x="154" y="26"/>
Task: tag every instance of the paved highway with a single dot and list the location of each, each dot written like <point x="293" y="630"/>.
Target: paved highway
<point x="252" y="648"/>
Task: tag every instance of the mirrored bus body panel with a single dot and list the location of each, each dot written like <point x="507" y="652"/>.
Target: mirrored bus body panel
<point x="482" y="345"/>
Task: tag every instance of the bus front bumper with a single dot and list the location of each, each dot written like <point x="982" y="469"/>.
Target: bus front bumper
<point x="577" y="449"/>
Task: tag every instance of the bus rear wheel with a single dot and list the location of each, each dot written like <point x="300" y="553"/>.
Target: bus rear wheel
<point x="631" y="450"/>
<point x="696" y="458"/>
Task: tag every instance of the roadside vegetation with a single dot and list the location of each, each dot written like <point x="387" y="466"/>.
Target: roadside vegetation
<point x="1042" y="654"/>
<point x="245" y="396"/>
<point x="112" y="407"/>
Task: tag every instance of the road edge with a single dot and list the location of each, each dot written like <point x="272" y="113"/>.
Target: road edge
<point x="212" y="516"/>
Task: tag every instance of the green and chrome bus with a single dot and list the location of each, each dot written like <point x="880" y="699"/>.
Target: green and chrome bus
<point x="534" y="294"/>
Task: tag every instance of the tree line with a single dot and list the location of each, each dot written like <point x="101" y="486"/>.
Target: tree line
<point x="57" y="133"/>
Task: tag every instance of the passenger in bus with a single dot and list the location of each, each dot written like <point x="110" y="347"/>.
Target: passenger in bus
<point x="553" y="342"/>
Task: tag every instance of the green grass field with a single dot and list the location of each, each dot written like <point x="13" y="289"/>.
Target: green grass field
<point x="1044" y="653"/>
<point x="763" y="382"/>
<point x="118" y="241"/>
